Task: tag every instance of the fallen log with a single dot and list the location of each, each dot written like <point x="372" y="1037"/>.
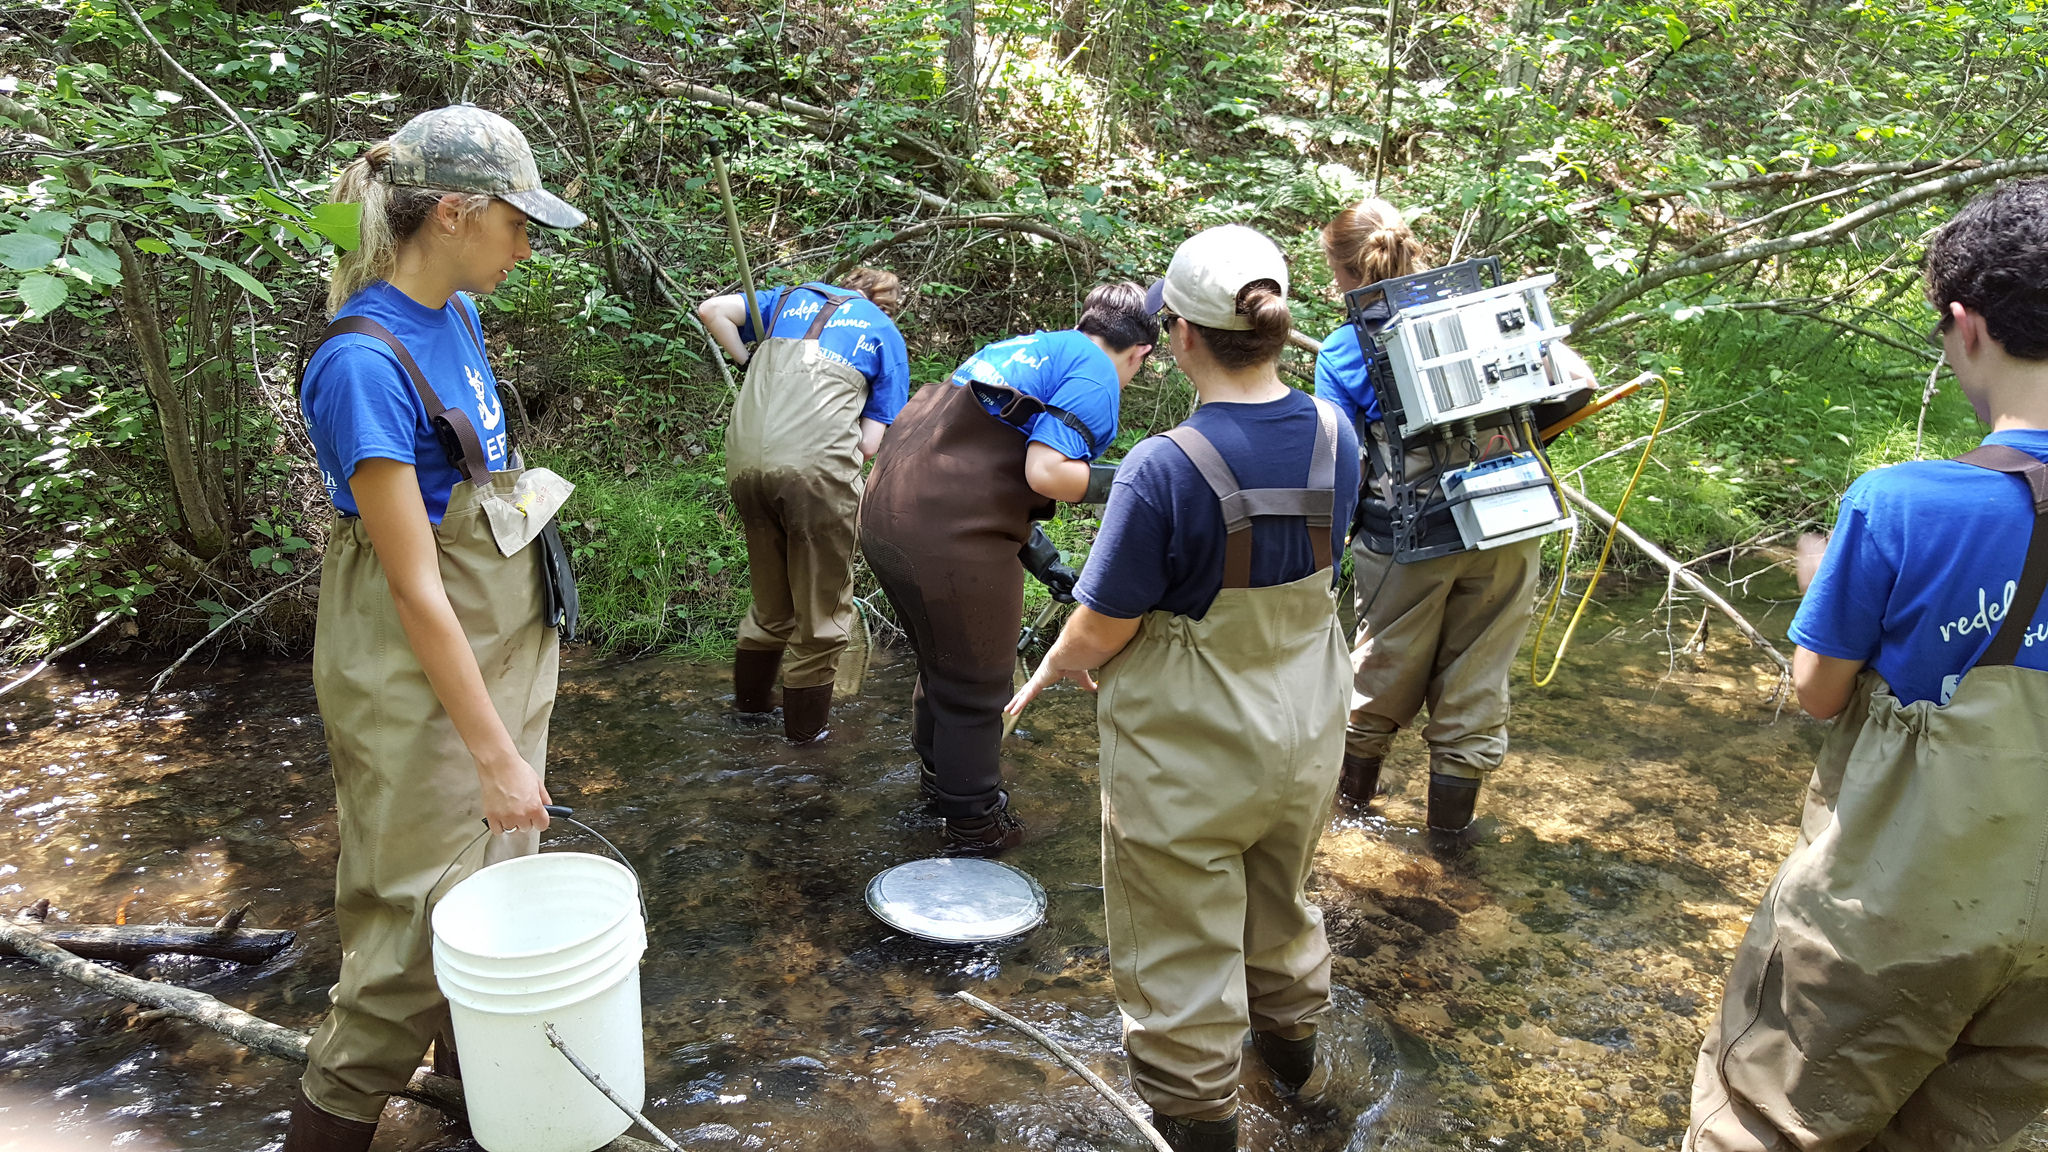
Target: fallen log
<point x="225" y="939"/>
<point x="1679" y="574"/>
<point x="253" y="1032"/>
<point x="135" y="943"/>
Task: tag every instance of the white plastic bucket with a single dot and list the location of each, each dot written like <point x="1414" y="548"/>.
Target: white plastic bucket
<point x="556" y="939"/>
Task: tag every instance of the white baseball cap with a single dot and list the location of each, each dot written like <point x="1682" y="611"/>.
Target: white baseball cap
<point x="1211" y="270"/>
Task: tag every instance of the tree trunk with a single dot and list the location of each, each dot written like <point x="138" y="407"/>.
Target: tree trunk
<point x="597" y="213"/>
<point x="961" y="80"/>
<point x="198" y="509"/>
<point x="135" y="943"/>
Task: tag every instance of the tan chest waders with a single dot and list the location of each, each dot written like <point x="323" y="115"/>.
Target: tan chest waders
<point x="792" y="461"/>
<point x="1892" y="990"/>
<point x="406" y="786"/>
<point x="946" y="512"/>
<point x="1221" y="739"/>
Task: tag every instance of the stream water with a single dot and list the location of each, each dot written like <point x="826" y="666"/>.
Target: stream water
<point x="1545" y="990"/>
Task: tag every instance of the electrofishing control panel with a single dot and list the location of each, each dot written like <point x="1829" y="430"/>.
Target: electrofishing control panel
<point x="1474" y="354"/>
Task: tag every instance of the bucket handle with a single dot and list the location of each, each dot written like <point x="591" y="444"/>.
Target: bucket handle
<point x="558" y="812"/>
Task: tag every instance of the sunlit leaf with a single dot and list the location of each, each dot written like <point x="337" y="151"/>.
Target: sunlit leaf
<point x="28" y="251"/>
<point x="43" y="293"/>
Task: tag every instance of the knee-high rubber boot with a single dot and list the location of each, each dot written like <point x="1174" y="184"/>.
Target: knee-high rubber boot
<point x="1452" y="800"/>
<point x="805" y="712"/>
<point x="753" y="680"/>
<point x="315" y="1130"/>
<point x="1360" y="783"/>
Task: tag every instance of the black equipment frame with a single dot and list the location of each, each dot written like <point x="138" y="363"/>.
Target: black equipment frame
<point x="1416" y="506"/>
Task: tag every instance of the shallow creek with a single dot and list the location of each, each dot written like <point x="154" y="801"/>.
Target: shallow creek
<point x="1544" y="990"/>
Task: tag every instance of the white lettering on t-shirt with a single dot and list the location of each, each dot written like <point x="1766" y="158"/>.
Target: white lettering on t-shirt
<point x="485" y="406"/>
<point x="1988" y="614"/>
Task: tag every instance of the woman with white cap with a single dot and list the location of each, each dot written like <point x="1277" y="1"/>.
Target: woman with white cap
<point x="1209" y="605"/>
<point x="432" y="662"/>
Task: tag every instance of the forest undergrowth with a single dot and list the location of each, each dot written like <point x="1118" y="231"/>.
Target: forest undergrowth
<point x="1733" y="196"/>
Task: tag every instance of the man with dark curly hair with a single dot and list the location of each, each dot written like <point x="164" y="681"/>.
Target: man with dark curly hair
<point x="1892" y="991"/>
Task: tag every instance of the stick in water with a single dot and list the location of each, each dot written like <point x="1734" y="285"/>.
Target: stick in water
<point x="1067" y="1058"/>
<point x="610" y="1095"/>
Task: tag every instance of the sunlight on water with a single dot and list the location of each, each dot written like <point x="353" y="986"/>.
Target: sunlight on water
<point x="1544" y="991"/>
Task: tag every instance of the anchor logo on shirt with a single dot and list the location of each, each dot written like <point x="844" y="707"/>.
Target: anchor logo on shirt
<point x="485" y="406"/>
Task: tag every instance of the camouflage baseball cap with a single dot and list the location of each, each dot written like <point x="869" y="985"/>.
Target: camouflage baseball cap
<point x="462" y="148"/>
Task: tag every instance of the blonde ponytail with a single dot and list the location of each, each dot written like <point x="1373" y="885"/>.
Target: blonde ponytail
<point x="391" y="215"/>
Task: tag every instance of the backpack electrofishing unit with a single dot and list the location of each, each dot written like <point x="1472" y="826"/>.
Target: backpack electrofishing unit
<point x="1462" y="366"/>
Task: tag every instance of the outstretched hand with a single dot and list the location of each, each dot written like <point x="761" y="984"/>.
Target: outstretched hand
<point x="1044" y="678"/>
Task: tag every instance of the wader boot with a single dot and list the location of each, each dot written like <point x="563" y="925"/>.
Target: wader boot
<point x="1198" y="1135"/>
<point x="1294" y="1064"/>
<point x="1359" y="785"/>
<point x="316" y="1130"/>
<point x="1891" y="993"/>
<point x="990" y="835"/>
<point x="805" y="712"/>
<point x="1452" y="800"/>
<point x="1222" y="739"/>
<point x="753" y="683"/>
<point x="946" y="512"/>
<point x="792" y="462"/>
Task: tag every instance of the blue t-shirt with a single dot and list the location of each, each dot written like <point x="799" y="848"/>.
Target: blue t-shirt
<point x="1921" y="568"/>
<point x="360" y="405"/>
<point x="1162" y="538"/>
<point x="859" y="335"/>
<point x="1065" y="369"/>
<point x="1343" y="380"/>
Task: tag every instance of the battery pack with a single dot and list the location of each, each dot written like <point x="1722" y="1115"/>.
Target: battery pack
<point x="1503" y="500"/>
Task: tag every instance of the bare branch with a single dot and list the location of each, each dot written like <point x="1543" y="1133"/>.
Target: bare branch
<point x="830" y="124"/>
<point x="1773" y="180"/>
<point x="1812" y="238"/>
<point x="1000" y="222"/>
<point x="1680" y="574"/>
<point x="1782" y="307"/>
<point x="46" y="661"/>
<point x="262" y="153"/>
<point x="157" y="684"/>
<point x="1067" y="1058"/>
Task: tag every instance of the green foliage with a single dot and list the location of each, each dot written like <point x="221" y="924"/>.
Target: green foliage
<point x="1603" y="141"/>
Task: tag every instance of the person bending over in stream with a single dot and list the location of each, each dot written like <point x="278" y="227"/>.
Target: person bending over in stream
<point x="947" y="522"/>
<point x="433" y="666"/>
<point x="1892" y="990"/>
<point x="820" y="392"/>
<point x="1209" y="605"/>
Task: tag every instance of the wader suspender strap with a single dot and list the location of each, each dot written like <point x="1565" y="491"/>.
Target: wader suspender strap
<point x="832" y="303"/>
<point x="1016" y="409"/>
<point x="451" y="425"/>
<point x="2026" y="600"/>
<point x="1316" y="503"/>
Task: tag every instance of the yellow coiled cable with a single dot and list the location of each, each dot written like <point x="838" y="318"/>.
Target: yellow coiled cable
<point x="1606" y="546"/>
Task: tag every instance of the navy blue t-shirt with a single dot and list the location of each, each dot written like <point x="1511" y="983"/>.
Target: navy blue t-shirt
<point x="1922" y="566"/>
<point x="1162" y="538"/>
<point x="359" y="405"/>
<point x="859" y="335"/>
<point x="1065" y="369"/>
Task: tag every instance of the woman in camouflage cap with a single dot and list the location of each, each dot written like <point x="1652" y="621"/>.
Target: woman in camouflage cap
<point x="434" y="669"/>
